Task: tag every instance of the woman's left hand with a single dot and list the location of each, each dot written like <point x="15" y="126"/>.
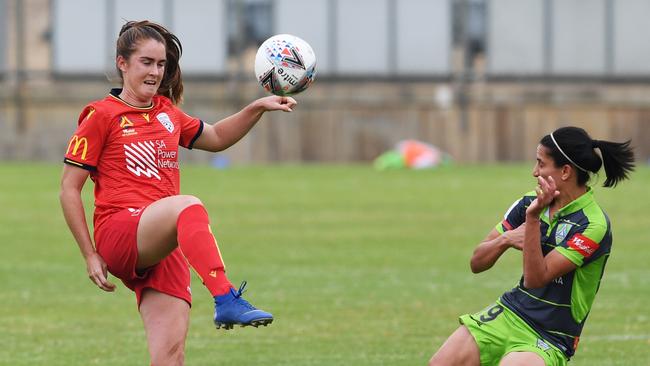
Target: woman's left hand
<point x="277" y="103"/>
<point x="546" y="193"/>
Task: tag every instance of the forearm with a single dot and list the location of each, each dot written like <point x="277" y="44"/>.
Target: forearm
<point x="231" y="129"/>
<point x="534" y="264"/>
<point x="487" y="253"/>
<point x="75" y="217"/>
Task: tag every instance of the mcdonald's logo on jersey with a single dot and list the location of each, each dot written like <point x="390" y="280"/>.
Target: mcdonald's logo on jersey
<point x="75" y="143"/>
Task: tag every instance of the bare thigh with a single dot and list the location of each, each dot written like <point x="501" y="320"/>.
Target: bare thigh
<point x="157" y="229"/>
<point x="522" y="359"/>
<point x="459" y="349"/>
<point x="166" y="321"/>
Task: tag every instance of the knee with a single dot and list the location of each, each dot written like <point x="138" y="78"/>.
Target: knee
<point x="177" y="352"/>
<point x="170" y="356"/>
<point x="181" y="202"/>
<point x="185" y="200"/>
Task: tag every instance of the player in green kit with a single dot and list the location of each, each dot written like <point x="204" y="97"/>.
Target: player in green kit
<point x="565" y="238"/>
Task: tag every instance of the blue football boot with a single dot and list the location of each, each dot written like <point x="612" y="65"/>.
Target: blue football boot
<point x="231" y="309"/>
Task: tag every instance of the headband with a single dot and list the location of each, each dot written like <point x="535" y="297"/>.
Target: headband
<point x="567" y="156"/>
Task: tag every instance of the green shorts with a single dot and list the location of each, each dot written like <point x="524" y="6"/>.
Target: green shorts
<point x="498" y="331"/>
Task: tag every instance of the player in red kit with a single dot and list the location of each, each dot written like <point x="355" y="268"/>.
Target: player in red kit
<point x="145" y="232"/>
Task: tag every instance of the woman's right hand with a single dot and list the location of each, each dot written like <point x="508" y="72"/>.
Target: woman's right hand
<point x="98" y="273"/>
<point x="276" y="103"/>
<point x="546" y="192"/>
<point x="515" y="238"/>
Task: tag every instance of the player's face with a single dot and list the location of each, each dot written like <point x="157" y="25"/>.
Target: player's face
<point x="545" y="165"/>
<point x="144" y="70"/>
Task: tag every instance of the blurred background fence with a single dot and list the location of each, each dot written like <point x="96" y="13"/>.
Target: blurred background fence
<point x="481" y="79"/>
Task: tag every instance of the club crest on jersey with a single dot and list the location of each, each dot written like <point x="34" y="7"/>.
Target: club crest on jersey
<point x="561" y="232"/>
<point x="164" y="120"/>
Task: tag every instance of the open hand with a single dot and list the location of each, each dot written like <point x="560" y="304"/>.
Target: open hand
<point x="546" y="192"/>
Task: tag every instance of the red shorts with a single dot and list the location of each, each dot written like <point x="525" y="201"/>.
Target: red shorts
<point x="116" y="242"/>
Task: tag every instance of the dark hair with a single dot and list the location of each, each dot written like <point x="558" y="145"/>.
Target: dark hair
<point x="573" y="146"/>
<point x="133" y="32"/>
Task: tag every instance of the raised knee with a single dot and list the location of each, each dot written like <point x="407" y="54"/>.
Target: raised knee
<point x="188" y="200"/>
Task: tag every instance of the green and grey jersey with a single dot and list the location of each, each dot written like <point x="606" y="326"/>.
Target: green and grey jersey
<point x="580" y="231"/>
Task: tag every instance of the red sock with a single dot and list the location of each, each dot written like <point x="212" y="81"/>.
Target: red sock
<point x="200" y="249"/>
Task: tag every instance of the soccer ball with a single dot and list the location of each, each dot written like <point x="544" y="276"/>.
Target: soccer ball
<point x="285" y="65"/>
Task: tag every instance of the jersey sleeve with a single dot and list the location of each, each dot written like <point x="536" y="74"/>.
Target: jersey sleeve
<point x="191" y="129"/>
<point x="514" y="216"/>
<point x="87" y="142"/>
<point x="585" y="244"/>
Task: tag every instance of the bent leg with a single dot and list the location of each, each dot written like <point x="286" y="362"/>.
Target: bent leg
<point x="522" y="359"/>
<point x="182" y="221"/>
<point x="460" y="349"/>
<point x="166" y="321"/>
<point x="157" y="229"/>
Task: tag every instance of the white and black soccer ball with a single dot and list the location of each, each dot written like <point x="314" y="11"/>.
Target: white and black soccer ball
<point x="285" y="65"/>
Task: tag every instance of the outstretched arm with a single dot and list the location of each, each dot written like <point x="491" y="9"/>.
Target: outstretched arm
<point x="539" y="269"/>
<point x="72" y="183"/>
<point x="493" y="246"/>
<point x="228" y="131"/>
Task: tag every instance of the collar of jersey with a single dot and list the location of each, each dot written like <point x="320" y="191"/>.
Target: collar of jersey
<point x="115" y="93"/>
<point x="577" y="204"/>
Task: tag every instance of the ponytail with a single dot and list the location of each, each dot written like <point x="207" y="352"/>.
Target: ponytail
<point x="618" y="160"/>
<point x="132" y="32"/>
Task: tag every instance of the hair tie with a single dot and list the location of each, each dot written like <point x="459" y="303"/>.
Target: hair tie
<point x="567" y="156"/>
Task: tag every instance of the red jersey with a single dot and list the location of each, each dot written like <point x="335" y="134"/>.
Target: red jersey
<point x="131" y="152"/>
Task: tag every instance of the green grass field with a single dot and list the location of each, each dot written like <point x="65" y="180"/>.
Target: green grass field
<point x="359" y="268"/>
